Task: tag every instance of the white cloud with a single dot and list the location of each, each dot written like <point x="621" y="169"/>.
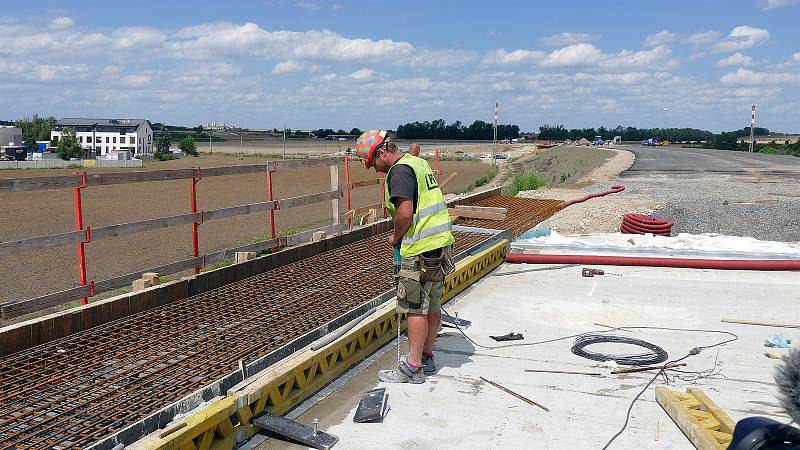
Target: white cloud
<point x="232" y="40"/>
<point x="772" y="4"/>
<point x="439" y="58"/>
<point x="290" y="66"/>
<point x="328" y="77"/>
<point x="736" y="59"/>
<point x="796" y="57"/>
<point x="137" y="80"/>
<point x="740" y="38"/>
<point x="750" y="77"/>
<point x="705" y="37"/>
<point x="362" y="75"/>
<point x="311" y="6"/>
<point x="502" y="58"/>
<point x="662" y="37"/>
<point x="137" y="38"/>
<point x="574" y="55"/>
<point x="607" y="104"/>
<point x="563" y="39"/>
<point x="61" y="23"/>
<point x="337" y="7"/>
<point x="583" y="55"/>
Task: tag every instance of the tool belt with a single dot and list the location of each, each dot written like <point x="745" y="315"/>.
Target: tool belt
<point x="436" y="264"/>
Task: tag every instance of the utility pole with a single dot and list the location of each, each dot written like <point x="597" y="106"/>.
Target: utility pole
<point x="241" y="147"/>
<point x="752" y="127"/>
<point x="496" y="114"/>
<point x="210" y="147"/>
<point x="284" y="141"/>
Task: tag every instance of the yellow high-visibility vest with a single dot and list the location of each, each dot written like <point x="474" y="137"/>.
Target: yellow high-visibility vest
<point x="430" y="225"/>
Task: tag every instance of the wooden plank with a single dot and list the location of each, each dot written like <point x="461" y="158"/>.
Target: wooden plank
<point x="106" y="179"/>
<point x="476" y="214"/>
<point x="18" y="308"/>
<point x="763" y="323"/>
<point x="291" y="202"/>
<point x="295" y="164"/>
<point x="306" y="236"/>
<point x="447" y="180"/>
<point x="361" y="210"/>
<point x="40" y="243"/>
<point x="38" y="183"/>
<point x="231" y="252"/>
<point x="482" y="208"/>
<point x="726" y="424"/>
<point x="694" y="430"/>
<point x="144" y="225"/>
<point x="359" y="184"/>
<point x="335" y="187"/>
<point x="239" y="210"/>
<point x="124" y="280"/>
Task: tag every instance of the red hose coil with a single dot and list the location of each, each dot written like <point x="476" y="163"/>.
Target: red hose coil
<point x="641" y="224"/>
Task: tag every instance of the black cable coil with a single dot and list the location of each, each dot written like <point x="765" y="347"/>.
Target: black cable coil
<point x="655" y="355"/>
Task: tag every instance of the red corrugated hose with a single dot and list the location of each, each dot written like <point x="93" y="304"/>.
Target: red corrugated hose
<point x="614" y="190"/>
<point x="642" y="224"/>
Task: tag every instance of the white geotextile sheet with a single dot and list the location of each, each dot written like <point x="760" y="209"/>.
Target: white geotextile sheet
<point x="693" y="243"/>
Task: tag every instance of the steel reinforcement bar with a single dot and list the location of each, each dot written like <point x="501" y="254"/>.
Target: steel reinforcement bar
<point x="226" y="421"/>
<point x="76" y="390"/>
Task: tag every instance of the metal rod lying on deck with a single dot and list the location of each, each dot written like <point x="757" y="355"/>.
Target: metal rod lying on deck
<point x="509" y="391"/>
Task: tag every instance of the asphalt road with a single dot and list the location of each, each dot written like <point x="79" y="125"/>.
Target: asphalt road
<point x="719" y="191"/>
<point x="678" y="161"/>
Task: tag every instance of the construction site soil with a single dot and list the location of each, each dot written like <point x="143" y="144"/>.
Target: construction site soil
<point x="39" y="213"/>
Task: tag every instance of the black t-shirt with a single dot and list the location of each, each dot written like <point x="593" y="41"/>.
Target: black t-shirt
<point x="402" y="182"/>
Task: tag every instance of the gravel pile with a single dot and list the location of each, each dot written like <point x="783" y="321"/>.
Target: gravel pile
<point x="736" y="206"/>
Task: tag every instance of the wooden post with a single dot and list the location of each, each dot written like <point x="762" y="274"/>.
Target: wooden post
<point x="347" y="180"/>
<point x="272" y="210"/>
<point x="335" y="187"/>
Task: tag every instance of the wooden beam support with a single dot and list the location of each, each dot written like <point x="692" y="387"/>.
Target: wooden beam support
<point x="705" y="424"/>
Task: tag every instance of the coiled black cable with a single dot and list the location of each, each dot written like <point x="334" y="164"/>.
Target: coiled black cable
<point x="655" y="355"/>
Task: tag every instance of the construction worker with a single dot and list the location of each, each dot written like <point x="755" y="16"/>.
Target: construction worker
<point x="422" y="229"/>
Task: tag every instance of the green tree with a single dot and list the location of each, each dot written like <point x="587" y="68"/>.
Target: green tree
<point x="188" y="146"/>
<point x="68" y="146"/>
<point x="35" y="129"/>
<point x="162" y="141"/>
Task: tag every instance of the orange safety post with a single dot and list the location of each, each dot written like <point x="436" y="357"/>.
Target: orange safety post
<point x="195" y="224"/>
<point x="272" y="210"/>
<point x="438" y="169"/>
<point x="79" y="227"/>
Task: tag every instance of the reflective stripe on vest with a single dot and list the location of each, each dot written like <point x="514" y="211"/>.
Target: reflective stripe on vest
<point x="425" y="212"/>
<point x="426" y="232"/>
<point x="430" y="226"/>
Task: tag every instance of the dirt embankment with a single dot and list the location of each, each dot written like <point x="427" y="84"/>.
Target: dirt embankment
<point x="564" y="165"/>
<point x="39" y="213"/>
<point x="597" y="215"/>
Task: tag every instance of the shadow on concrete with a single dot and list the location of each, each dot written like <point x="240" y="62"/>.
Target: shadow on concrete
<point x="452" y="349"/>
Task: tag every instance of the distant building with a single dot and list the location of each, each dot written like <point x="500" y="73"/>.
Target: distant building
<point x="102" y="136"/>
<point x="216" y="126"/>
<point x="10" y="136"/>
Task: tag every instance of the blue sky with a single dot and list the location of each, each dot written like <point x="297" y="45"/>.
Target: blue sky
<point x="375" y="64"/>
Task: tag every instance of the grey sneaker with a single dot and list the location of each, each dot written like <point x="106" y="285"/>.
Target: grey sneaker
<point x="401" y="374"/>
<point x="429" y="365"/>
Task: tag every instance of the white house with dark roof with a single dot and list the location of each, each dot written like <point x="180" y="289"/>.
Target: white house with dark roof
<point x="102" y="136"/>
